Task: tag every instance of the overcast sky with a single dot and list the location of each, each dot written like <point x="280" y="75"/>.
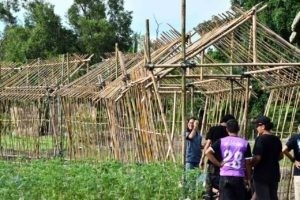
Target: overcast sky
<point x="164" y="11"/>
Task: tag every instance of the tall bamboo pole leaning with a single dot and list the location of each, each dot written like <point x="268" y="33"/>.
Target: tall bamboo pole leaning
<point x="183" y="80"/>
<point x="183" y="89"/>
<point x="245" y="117"/>
<point x="148" y="57"/>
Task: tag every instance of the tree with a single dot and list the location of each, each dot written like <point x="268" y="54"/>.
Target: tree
<point x="6" y="11"/>
<point x="97" y="34"/>
<point x="278" y="16"/>
<point x="121" y="21"/>
<point x="47" y="35"/>
<point x="12" y="46"/>
<point x="42" y="35"/>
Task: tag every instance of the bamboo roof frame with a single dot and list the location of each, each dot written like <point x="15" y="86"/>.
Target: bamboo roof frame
<point x="40" y="78"/>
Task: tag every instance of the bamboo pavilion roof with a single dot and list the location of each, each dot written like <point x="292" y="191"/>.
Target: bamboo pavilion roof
<point x="40" y="77"/>
<point x="232" y="34"/>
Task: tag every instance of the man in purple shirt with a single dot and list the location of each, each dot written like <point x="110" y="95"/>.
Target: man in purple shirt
<point x="234" y="166"/>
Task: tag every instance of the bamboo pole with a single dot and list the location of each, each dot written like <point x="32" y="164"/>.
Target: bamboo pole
<point x="173" y="120"/>
<point x="254" y="37"/>
<point x="183" y="79"/>
<point x="247" y="99"/>
<point x="231" y="97"/>
<point x="157" y="94"/>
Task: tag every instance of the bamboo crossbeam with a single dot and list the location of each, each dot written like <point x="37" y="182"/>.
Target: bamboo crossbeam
<point x="280" y="66"/>
<point x="214" y="76"/>
<point x="220" y="65"/>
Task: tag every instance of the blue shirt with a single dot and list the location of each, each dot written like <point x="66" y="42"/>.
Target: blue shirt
<point x="193" y="148"/>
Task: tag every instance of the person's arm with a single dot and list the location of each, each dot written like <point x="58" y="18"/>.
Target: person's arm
<point x="257" y="151"/>
<point x="194" y="131"/>
<point x="210" y="155"/>
<point x="286" y="151"/>
<point x="248" y="164"/>
<point x="255" y="159"/>
<point x="206" y="146"/>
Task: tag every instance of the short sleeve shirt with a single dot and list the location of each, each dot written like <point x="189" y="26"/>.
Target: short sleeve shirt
<point x="215" y="133"/>
<point x="294" y="144"/>
<point x="193" y="148"/>
<point x="233" y="152"/>
<point x="269" y="147"/>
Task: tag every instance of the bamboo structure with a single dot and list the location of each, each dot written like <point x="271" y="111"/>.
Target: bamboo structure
<point x="132" y="107"/>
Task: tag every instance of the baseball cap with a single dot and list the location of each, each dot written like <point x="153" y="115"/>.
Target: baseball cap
<point x="263" y="120"/>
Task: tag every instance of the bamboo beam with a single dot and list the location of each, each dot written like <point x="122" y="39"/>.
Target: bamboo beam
<point x="222" y="65"/>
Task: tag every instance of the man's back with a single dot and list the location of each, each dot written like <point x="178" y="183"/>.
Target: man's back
<point x="234" y="151"/>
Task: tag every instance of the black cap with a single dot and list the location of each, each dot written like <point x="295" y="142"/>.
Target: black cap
<point x="263" y="120"/>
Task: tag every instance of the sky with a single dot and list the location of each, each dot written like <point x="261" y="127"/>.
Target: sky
<point x="162" y="12"/>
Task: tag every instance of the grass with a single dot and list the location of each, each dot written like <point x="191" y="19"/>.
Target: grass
<point x="64" y="180"/>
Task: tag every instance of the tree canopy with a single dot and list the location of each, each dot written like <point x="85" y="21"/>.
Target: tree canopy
<point x="94" y="28"/>
<point x="278" y="15"/>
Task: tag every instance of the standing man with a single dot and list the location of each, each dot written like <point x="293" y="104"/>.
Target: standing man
<point x="193" y="146"/>
<point x="267" y="153"/>
<point x="193" y="155"/>
<point x="294" y="144"/>
<point x="213" y="172"/>
<point x="234" y="171"/>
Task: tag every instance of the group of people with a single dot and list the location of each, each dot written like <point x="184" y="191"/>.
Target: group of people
<point x="233" y="170"/>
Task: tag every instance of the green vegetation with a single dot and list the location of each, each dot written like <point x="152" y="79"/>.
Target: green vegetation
<point x="55" y="179"/>
<point x="278" y="16"/>
<point x="95" y="27"/>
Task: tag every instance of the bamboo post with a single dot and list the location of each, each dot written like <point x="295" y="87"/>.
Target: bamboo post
<point x="254" y="36"/>
<point x="231" y="97"/>
<point x="173" y="119"/>
<point x="202" y="61"/>
<point x="192" y="99"/>
<point x="117" y="61"/>
<point x="157" y="93"/>
<point x="183" y="79"/>
<point x="245" y="118"/>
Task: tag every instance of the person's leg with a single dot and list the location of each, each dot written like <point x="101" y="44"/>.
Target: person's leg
<point x="262" y="191"/>
<point x="226" y="188"/>
<point x="273" y="187"/>
<point x="297" y="187"/>
<point x="208" y="185"/>
<point x="239" y="188"/>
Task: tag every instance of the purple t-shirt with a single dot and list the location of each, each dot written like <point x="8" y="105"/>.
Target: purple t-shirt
<point x="233" y="151"/>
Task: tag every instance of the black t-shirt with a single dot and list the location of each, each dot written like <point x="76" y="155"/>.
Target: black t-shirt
<point x="215" y="133"/>
<point x="269" y="147"/>
<point x="294" y="144"/>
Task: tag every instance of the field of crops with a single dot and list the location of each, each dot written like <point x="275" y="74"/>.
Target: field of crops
<point x="65" y="180"/>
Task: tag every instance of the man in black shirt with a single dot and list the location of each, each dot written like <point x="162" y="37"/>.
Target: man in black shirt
<point x="294" y="144"/>
<point x="267" y="153"/>
<point x="213" y="172"/>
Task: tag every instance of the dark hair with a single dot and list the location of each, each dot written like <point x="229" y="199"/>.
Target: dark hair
<point x="263" y="120"/>
<point x="232" y="126"/>
<point x="194" y="118"/>
<point x="187" y="127"/>
<point x="227" y="117"/>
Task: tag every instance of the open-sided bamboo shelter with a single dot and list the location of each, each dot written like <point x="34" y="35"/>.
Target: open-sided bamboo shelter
<point x="130" y="106"/>
<point x="30" y="113"/>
